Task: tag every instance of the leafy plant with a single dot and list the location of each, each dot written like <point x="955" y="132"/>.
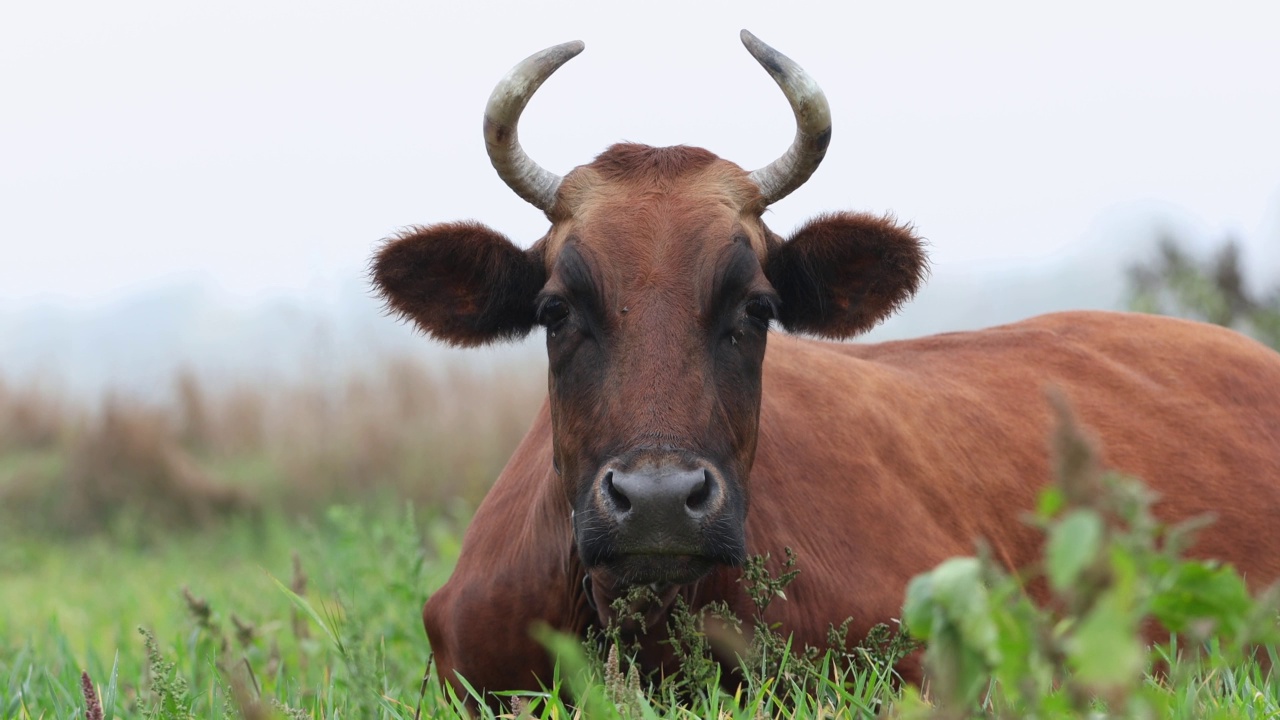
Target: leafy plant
<point x="1109" y="570"/>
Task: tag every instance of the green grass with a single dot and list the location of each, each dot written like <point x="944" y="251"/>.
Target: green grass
<point x="350" y="643"/>
<point x="41" y="462"/>
<point x="78" y="605"/>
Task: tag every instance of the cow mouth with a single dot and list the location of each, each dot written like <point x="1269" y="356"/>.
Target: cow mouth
<point x="634" y="569"/>
<point x="636" y="590"/>
<point x="663" y="560"/>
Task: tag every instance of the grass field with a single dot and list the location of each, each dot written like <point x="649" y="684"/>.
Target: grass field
<point x="82" y="605"/>
<point x="239" y="555"/>
<point x="232" y="640"/>
<point x="122" y="516"/>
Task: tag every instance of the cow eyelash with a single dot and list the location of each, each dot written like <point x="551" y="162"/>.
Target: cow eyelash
<point x="552" y="312"/>
<point x="760" y="310"/>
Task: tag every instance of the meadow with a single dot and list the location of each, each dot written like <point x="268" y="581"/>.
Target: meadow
<point x="263" y="522"/>
<point x="263" y="550"/>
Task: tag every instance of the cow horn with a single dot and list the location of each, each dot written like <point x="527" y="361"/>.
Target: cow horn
<point x="501" y="116"/>
<point x="813" y="123"/>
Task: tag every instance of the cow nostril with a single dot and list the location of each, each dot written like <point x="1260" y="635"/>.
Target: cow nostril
<point x="697" y="500"/>
<point x="620" y="501"/>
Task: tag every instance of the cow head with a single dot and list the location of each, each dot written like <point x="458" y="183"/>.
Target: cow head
<point x="656" y="284"/>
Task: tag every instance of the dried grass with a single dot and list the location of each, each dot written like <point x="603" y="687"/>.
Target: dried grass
<point x="130" y="461"/>
<point x="403" y="430"/>
<point x="32" y="416"/>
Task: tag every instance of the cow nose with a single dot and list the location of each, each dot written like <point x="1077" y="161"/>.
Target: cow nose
<point x="656" y="494"/>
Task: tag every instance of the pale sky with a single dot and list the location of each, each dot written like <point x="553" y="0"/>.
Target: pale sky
<point x="267" y="146"/>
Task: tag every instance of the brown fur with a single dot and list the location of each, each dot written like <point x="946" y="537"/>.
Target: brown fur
<point x="842" y="273"/>
<point x="634" y="163"/>
<point x="430" y="275"/>
<point x="873" y="462"/>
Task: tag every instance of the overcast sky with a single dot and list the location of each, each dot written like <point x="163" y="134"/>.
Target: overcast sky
<point x="265" y="147"/>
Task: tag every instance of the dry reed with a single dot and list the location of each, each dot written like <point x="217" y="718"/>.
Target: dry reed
<point x="403" y="430"/>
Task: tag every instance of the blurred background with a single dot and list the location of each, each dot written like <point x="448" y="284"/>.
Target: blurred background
<point x="190" y="194"/>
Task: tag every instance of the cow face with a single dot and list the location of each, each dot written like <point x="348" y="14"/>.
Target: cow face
<point x="656" y="285"/>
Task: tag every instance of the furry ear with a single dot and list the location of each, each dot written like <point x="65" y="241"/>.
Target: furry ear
<point x="841" y="274"/>
<point x="462" y="283"/>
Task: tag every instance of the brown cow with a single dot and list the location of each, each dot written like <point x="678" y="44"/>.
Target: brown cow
<point x="674" y="444"/>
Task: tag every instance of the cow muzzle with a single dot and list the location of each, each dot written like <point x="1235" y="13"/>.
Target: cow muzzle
<point x="659" y="523"/>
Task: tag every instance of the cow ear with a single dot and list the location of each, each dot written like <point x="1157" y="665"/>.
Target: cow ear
<point x="841" y="274"/>
<point x="462" y="283"/>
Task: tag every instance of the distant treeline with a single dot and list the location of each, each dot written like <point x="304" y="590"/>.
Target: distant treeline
<point x="1213" y="289"/>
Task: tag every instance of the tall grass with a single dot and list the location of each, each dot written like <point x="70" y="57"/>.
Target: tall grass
<point x="33" y="416"/>
<point x="403" y="430"/>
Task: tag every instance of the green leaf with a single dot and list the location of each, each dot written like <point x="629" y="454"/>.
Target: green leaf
<point x="1072" y="547"/>
<point x="1050" y="503"/>
<point x="1202" y="592"/>
<point x="305" y="606"/>
<point x="576" y="669"/>
<point x="1105" y="650"/>
<point x="918" y="608"/>
<point x="952" y="596"/>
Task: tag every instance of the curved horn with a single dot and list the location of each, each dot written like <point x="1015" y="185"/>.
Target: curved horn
<point x="813" y="123"/>
<point x="501" y="116"/>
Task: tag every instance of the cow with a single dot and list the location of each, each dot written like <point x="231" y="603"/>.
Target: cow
<point x="681" y="434"/>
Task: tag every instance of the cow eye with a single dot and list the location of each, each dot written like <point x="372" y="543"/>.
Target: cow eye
<point x="552" y="312"/>
<point x="760" y="310"/>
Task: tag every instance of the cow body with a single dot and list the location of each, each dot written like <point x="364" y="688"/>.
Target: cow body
<point x="876" y="462"/>
<point x="681" y="435"/>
